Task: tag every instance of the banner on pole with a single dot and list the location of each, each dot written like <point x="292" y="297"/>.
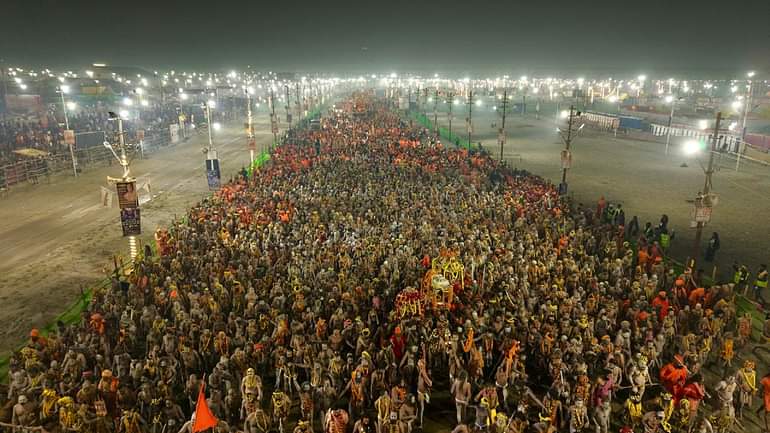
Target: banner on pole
<point x="703" y="214"/>
<point x="131" y="222"/>
<point x="69" y="137"/>
<point x="213" y="175"/>
<point x="127" y="195"/>
<point x="106" y="197"/>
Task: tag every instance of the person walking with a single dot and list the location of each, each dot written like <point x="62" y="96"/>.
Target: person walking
<point x="712" y="247"/>
<point x="633" y="228"/>
<point x="760" y="283"/>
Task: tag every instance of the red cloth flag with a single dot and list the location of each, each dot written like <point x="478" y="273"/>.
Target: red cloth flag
<point x="204" y="419"/>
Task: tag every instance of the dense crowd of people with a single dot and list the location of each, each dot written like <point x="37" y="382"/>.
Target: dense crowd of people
<point x="45" y="131"/>
<point x="367" y="279"/>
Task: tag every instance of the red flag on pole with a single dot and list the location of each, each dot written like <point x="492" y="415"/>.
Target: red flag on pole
<point x="204" y="419"/>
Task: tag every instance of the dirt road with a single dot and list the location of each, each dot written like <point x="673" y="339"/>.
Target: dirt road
<point x="57" y="237"/>
<point x="639" y="175"/>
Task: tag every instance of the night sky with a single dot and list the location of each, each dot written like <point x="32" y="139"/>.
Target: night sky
<point x="451" y="37"/>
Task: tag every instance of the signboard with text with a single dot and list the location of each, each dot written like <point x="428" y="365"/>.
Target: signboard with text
<point x="131" y="222"/>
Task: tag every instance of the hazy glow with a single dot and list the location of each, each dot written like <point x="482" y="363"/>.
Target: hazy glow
<point x="691" y="147"/>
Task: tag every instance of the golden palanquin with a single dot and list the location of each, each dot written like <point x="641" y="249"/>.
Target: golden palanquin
<point x="438" y="283"/>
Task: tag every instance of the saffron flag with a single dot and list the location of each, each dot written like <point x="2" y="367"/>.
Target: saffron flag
<point x="204" y="419"/>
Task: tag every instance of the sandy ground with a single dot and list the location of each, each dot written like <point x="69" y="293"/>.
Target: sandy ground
<point x="639" y="175"/>
<point x="57" y="238"/>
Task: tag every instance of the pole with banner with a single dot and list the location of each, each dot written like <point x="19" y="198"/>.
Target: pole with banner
<point x="705" y="201"/>
<point x="128" y="196"/>
<point x="213" y="173"/>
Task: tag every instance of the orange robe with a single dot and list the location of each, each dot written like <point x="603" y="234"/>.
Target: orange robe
<point x="670" y="375"/>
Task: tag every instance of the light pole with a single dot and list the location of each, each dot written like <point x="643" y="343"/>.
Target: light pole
<point x="273" y="122"/>
<point x="567" y="143"/>
<point x="435" y="113"/>
<point x="213" y="173"/>
<point x="746" y="109"/>
<point x="707" y="186"/>
<point x="566" y="155"/>
<point x="211" y="153"/>
<point x="288" y="114"/>
<point x="470" y="117"/>
<point x="615" y="99"/>
<point x="451" y="103"/>
<point x="250" y="131"/>
<point x="671" y="100"/>
<point x="62" y="90"/>
<point x="123" y="158"/>
<point x="502" y="128"/>
<point x="129" y="213"/>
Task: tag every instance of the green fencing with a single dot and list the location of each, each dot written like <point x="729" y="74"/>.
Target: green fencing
<point x="70" y="316"/>
<point x="444" y="133"/>
<point x="260" y="159"/>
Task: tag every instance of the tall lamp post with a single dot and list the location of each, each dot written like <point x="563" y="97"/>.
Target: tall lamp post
<point x="129" y="206"/>
<point x="449" y="117"/>
<point x="62" y="90"/>
<point x="671" y="100"/>
<point x="566" y="154"/>
<point x="211" y="152"/>
<point x="616" y="100"/>
<point x="250" y="128"/>
<point x="469" y="123"/>
<point x="705" y="197"/>
<point x="213" y="173"/>
<point x="746" y="109"/>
